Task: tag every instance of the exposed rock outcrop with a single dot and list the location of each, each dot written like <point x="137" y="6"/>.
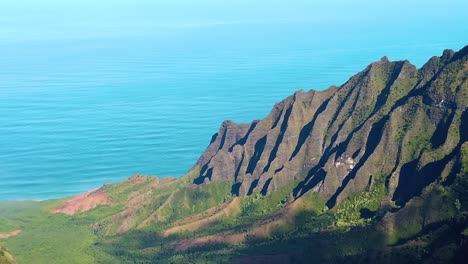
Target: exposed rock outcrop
<point x="375" y="170"/>
<point x="373" y="128"/>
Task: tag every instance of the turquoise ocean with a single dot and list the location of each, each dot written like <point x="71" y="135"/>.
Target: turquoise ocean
<point x="76" y="113"/>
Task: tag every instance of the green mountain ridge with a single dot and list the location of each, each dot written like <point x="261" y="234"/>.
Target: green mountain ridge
<point x="375" y="170"/>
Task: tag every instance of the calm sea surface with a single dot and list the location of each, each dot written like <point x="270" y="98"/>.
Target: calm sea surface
<point x="75" y="113"/>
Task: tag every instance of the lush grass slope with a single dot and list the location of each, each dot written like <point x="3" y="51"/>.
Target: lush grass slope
<point x="380" y="175"/>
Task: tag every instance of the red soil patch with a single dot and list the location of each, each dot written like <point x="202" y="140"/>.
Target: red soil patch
<point x="156" y="215"/>
<point x="137" y="179"/>
<point x="214" y="239"/>
<point x="84" y="202"/>
<point x="141" y="197"/>
<point x="146" y="184"/>
<point x="10" y="234"/>
<point x="261" y="229"/>
<point x="145" y="192"/>
<point x="202" y="215"/>
<point x="229" y="209"/>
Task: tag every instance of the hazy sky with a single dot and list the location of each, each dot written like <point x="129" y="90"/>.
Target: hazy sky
<point x="35" y="19"/>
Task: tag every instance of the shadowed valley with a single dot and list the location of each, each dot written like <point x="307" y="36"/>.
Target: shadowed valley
<point x="375" y="170"/>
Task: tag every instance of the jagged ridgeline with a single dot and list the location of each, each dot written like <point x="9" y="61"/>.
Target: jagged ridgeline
<point x="375" y="170"/>
<point x="391" y="125"/>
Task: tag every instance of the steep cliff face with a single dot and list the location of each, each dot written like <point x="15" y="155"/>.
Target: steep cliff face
<point x="390" y="124"/>
<point x="375" y="170"/>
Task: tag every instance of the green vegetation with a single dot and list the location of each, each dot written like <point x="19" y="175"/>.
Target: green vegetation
<point x="196" y="199"/>
<point x="465" y="232"/>
<point x="58" y="238"/>
<point x="257" y="206"/>
<point x="354" y="210"/>
<point x="385" y="122"/>
<point x="49" y="238"/>
<point x="5" y="257"/>
<point x="339" y="233"/>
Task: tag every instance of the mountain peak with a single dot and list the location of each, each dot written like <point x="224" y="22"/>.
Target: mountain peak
<point x="380" y="162"/>
<point x="384" y="59"/>
<point x="447" y="54"/>
<point x="307" y="133"/>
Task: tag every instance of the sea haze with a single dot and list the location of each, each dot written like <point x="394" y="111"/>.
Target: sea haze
<point x="78" y="112"/>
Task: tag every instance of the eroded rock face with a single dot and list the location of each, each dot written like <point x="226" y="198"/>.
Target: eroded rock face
<point x="376" y="128"/>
